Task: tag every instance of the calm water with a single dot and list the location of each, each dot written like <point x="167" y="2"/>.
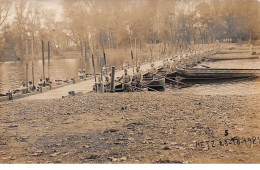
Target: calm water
<point x="223" y="87"/>
<point x="13" y="73"/>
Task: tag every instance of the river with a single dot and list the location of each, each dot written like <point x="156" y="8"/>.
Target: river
<point x="13" y="73"/>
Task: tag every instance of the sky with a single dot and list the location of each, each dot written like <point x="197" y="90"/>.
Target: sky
<point x="53" y="5"/>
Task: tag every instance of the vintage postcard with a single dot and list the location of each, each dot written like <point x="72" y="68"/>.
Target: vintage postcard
<point x="129" y="81"/>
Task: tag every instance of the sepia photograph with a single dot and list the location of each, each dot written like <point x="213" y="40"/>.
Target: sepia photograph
<point x="129" y="82"/>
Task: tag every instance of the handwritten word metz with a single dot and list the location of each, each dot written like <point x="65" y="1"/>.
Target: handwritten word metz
<point x="249" y="142"/>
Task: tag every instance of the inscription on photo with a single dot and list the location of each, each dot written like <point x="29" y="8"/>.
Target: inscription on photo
<point x="246" y="141"/>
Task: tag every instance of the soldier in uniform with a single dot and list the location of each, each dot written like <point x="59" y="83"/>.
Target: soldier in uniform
<point x="126" y="81"/>
<point x="40" y="82"/>
<point x="107" y="80"/>
<point x="171" y="62"/>
<point x="138" y="78"/>
<point x="165" y="63"/>
<point x="153" y="70"/>
<point x="31" y="86"/>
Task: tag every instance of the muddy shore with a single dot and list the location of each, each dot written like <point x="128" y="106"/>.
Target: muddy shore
<point x="146" y="127"/>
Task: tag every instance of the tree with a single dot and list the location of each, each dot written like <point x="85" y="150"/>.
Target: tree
<point x="5" y="10"/>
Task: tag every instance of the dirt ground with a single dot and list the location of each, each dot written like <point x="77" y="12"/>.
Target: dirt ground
<point x="145" y="127"/>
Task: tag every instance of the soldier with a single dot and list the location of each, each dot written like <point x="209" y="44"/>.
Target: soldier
<point x="23" y="88"/>
<point x="125" y="65"/>
<point x="171" y="62"/>
<point x="107" y="80"/>
<point x="126" y="81"/>
<point x="31" y="86"/>
<point x="80" y="74"/>
<point x="40" y="83"/>
<point x="107" y="77"/>
<point x="100" y="85"/>
<point x="165" y="63"/>
<point x="153" y="70"/>
<point x="138" y="77"/>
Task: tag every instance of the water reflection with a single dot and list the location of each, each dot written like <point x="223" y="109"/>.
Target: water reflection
<point x="13" y="73"/>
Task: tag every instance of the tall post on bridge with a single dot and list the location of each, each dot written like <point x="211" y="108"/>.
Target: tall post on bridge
<point x="132" y="57"/>
<point x="86" y="59"/>
<point x="113" y="80"/>
<point x="49" y="62"/>
<point x="32" y="52"/>
<point x="105" y="60"/>
<point x="81" y="59"/>
<point x="43" y="64"/>
<point x="135" y="54"/>
<point x="93" y="64"/>
<point x="26" y="58"/>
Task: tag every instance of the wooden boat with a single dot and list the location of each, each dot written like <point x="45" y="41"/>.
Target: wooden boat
<point x="153" y="83"/>
<point x="156" y="85"/>
<point x="235" y="58"/>
<point x="164" y="73"/>
<point x="170" y="77"/>
<point x="210" y="73"/>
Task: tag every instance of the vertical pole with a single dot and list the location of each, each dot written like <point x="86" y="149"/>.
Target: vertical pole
<point x="32" y="51"/>
<point x="49" y="62"/>
<point x="86" y="55"/>
<point x="27" y="75"/>
<point x="81" y="51"/>
<point x="151" y="56"/>
<point x="93" y="64"/>
<point x="132" y="57"/>
<point x="102" y="83"/>
<point x="101" y="74"/>
<point x="135" y="53"/>
<point x="105" y="60"/>
<point x="43" y="64"/>
<point x="113" y="80"/>
<point x="99" y="57"/>
<point x="26" y="53"/>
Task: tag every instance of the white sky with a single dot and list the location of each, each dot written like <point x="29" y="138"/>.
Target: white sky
<point x="53" y="5"/>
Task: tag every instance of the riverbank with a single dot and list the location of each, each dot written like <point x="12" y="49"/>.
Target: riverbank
<point x="146" y="127"/>
<point x="113" y="54"/>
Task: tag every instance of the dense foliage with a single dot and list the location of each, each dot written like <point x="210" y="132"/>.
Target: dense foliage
<point x="175" y="24"/>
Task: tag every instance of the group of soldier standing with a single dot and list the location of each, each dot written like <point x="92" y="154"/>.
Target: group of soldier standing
<point x="186" y="60"/>
<point x="128" y="82"/>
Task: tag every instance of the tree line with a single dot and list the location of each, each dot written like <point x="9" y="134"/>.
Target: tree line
<point x="102" y="24"/>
